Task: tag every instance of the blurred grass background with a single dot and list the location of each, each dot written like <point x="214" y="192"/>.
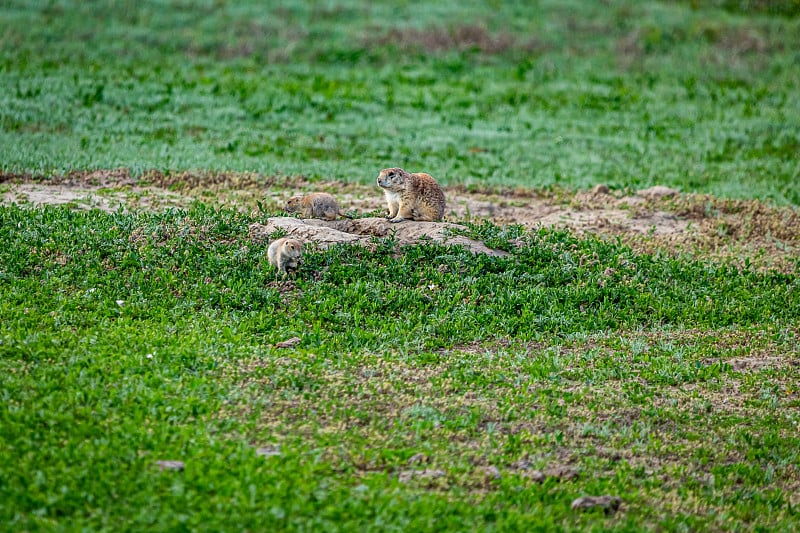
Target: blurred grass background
<point x="699" y="95"/>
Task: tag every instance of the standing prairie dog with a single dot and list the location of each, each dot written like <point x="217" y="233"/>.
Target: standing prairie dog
<point x="315" y="205"/>
<point x="411" y="196"/>
<point x="284" y="253"/>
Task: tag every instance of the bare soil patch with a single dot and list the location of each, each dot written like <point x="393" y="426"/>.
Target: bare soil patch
<point x="461" y="38"/>
<point x="94" y="196"/>
<point x="655" y="220"/>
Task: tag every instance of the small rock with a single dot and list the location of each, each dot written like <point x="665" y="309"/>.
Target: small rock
<point x="268" y="451"/>
<point x="288" y="343"/>
<point x="601" y="188"/>
<point x="657" y="191"/>
<point x="417" y="458"/>
<point x="492" y="472"/>
<point x="534" y="475"/>
<point x="522" y="464"/>
<point x="170" y="465"/>
<point x="525" y="469"/>
<point x="609" y="504"/>
<point x="562" y="473"/>
<point x="408" y="475"/>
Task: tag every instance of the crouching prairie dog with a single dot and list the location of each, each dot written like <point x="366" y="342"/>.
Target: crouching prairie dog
<point x="284" y="254"/>
<point x="315" y="205"/>
<point x="411" y="196"/>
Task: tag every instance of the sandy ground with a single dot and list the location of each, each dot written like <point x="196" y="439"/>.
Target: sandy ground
<point x="655" y="220"/>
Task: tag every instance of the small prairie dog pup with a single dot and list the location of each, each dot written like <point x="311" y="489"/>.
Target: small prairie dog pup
<point x="284" y="254"/>
<point x="411" y="196"/>
<point x="315" y="205"/>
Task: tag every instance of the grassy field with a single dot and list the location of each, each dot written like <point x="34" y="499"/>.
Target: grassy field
<point x="128" y="339"/>
<point x="429" y="389"/>
<point x="520" y="93"/>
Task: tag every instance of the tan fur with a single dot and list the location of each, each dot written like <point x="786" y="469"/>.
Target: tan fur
<point x="411" y="196"/>
<point x="315" y="205"/>
<point x="284" y="254"/>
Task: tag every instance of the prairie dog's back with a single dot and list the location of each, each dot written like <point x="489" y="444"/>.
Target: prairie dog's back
<point x="314" y="205"/>
<point x="431" y="196"/>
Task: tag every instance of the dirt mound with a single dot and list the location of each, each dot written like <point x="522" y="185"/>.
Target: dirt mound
<point x="658" y="191"/>
<point x="654" y="220"/>
<point x="362" y="230"/>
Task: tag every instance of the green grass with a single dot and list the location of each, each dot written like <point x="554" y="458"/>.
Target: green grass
<point x="702" y="96"/>
<point x="431" y="389"/>
<point x="132" y="338"/>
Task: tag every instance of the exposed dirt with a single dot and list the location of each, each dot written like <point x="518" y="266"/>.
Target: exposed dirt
<point x="596" y="423"/>
<point x="441" y="39"/>
<point x="94" y="197"/>
<point x="655" y="220"/>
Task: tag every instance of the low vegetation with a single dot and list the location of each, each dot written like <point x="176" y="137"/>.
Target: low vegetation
<point x="701" y="96"/>
<point x="156" y="373"/>
<point x="430" y="387"/>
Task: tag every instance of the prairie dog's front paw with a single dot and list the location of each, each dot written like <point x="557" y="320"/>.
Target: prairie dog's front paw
<point x="396" y="219"/>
